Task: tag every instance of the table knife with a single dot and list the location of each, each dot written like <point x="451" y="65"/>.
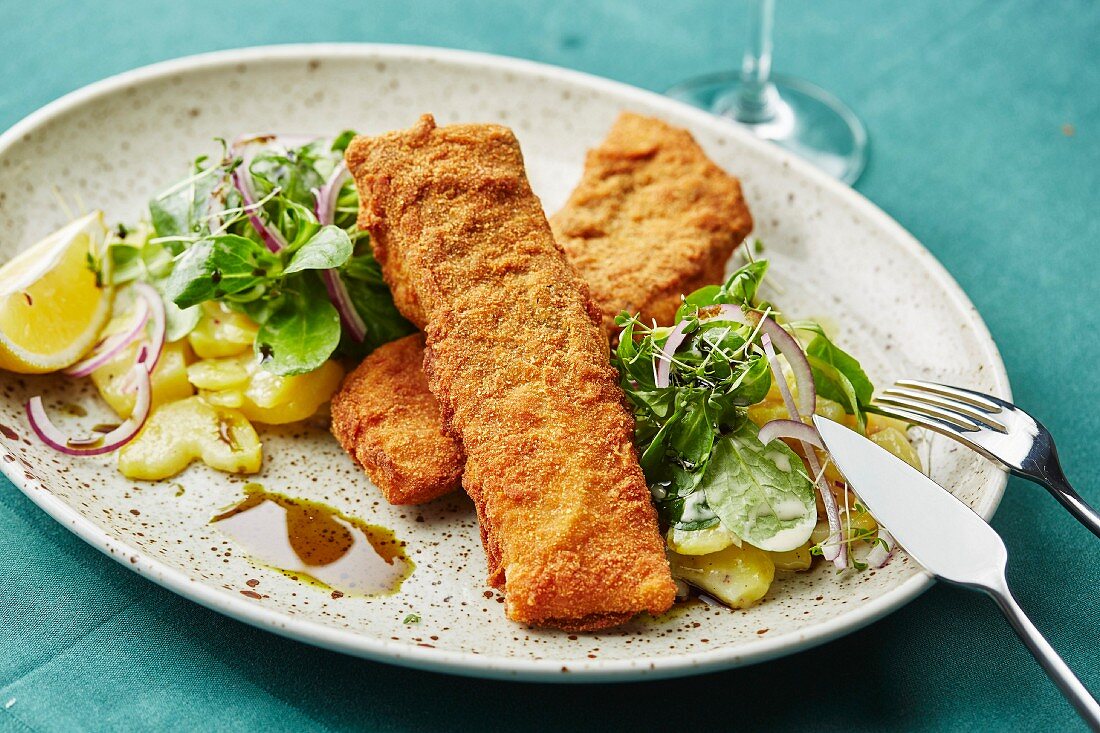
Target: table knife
<point x="947" y="538"/>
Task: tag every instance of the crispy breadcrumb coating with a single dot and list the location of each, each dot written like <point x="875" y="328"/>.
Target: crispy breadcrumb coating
<point x="518" y="361"/>
<point x="652" y="219"/>
<point x="388" y="421"/>
<point x="616" y="189"/>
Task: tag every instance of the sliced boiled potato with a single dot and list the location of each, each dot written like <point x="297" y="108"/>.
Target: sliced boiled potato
<point x="857" y="523"/>
<point x="178" y="433"/>
<point x="827" y="408"/>
<point x="764" y="412"/>
<point x="169" y="379"/>
<point x="274" y="399"/>
<point x="242" y="383"/>
<point x="886" y="433"/>
<point x="798" y="559"/>
<point x="774" y="408"/>
<point x="876" y="422"/>
<point x="222" y="332"/>
<point x="896" y="442"/>
<point x="737" y="576"/>
<point x="218" y="374"/>
<point x="700" y="541"/>
<point x="821" y="531"/>
<point x="228" y="398"/>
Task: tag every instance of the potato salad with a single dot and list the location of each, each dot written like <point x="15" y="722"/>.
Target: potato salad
<point x="234" y="303"/>
<point x="741" y="482"/>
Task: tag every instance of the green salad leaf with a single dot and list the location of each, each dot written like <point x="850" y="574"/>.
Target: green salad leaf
<point x="187" y="208"/>
<point x="741" y="287"/>
<point x="295" y="172"/>
<point x="699" y="451"/>
<point x="328" y="248"/>
<point x="362" y="277"/>
<point x="340" y="142"/>
<point x="125" y="262"/>
<point x="201" y="245"/>
<point x="219" y="267"/>
<point x="302" y="331"/>
<point x="760" y="492"/>
<point x="838" y="376"/>
<point x="718" y="371"/>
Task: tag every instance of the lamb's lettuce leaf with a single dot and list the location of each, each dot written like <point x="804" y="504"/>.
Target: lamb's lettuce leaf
<point x="760" y="492"/>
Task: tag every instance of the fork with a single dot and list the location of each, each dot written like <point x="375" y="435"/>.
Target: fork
<point x="997" y="429"/>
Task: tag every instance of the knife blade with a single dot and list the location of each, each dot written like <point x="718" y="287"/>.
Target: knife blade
<point x="935" y="528"/>
<point x="947" y="538"/>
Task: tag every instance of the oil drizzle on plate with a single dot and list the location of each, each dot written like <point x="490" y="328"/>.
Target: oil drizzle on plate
<point x="316" y="543"/>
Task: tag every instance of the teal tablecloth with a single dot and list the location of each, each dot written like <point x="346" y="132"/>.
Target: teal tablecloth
<point x="984" y="119"/>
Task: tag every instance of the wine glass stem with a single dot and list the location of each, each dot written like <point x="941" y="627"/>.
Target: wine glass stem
<point x="756" y="99"/>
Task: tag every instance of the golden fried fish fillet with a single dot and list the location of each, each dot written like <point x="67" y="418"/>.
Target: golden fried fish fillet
<point x="518" y="361"/>
<point x="652" y="219"/>
<point x="619" y="188"/>
<point x="387" y="419"/>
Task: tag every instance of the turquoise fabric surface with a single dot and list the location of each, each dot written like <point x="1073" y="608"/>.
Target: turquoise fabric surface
<point x="984" y="119"/>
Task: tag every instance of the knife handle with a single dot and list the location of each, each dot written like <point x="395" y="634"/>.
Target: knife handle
<point x="1055" y="667"/>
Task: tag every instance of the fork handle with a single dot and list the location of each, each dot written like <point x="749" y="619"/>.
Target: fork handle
<point x="1055" y="667"/>
<point x="1057" y="484"/>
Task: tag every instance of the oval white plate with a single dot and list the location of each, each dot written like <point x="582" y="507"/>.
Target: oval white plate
<point x="834" y="255"/>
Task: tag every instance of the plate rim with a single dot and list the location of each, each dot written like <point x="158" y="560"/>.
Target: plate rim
<point x="465" y="663"/>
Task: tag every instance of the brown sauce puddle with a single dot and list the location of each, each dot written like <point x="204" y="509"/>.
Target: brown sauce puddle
<point x="309" y="541"/>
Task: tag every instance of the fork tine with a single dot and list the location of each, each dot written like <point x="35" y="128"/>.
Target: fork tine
<point x="915" y="418"/>
<point x="958" y="421"/>
<point x="969" y="396"/>
<point x="939" y="426"/>
<point x="937" y="400"/>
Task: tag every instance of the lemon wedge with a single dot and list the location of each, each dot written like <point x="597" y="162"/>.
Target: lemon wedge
<point x="51" y="309"/>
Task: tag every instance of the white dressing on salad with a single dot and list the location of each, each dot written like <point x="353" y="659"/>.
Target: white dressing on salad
<point x="788" y="509"/>
<point x="768" y="507"/>
<point x="696" y="508"/>
<point x="781" y="461"/>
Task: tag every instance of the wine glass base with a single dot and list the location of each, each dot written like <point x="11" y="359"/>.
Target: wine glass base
<point x="805" y="119"/>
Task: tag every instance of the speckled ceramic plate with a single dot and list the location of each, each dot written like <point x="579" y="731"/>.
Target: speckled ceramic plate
<point x="834" y="254"/>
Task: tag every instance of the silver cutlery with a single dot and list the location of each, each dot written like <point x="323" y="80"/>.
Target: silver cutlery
<point x="997" y="429"/>
<point x="947" y="538"/>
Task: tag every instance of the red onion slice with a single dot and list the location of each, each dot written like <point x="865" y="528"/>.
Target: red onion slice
<point x="109" y="347"/>
<point x="663" y="365"/>
<point x="52" y="436"/>
<point x="158" y="337"/>
<point x="147" y="306"/>
<point x="337" y="291"/>
<point x="879" y="555"/>
<point x="780" y="379"/>
<point x="790" y="429"/>
<point x="327" y="194"/>
<point x="272" y="237"/>
<point x="246" y="147"/>
<point x="796" y="358"/>
<point x="832" y="548"/>
<point x="341" y="298"/>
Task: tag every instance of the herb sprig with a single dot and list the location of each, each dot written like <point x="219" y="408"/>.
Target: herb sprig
<point x="698" y="449"/>
<point x="202" y="245"/>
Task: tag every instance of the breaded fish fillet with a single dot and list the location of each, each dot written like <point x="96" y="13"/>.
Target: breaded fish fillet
<point x="518" y="361"/>
<point x="652" y="219"/>
<point x="628" y="206"/>
<point x="387" y="419"/>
